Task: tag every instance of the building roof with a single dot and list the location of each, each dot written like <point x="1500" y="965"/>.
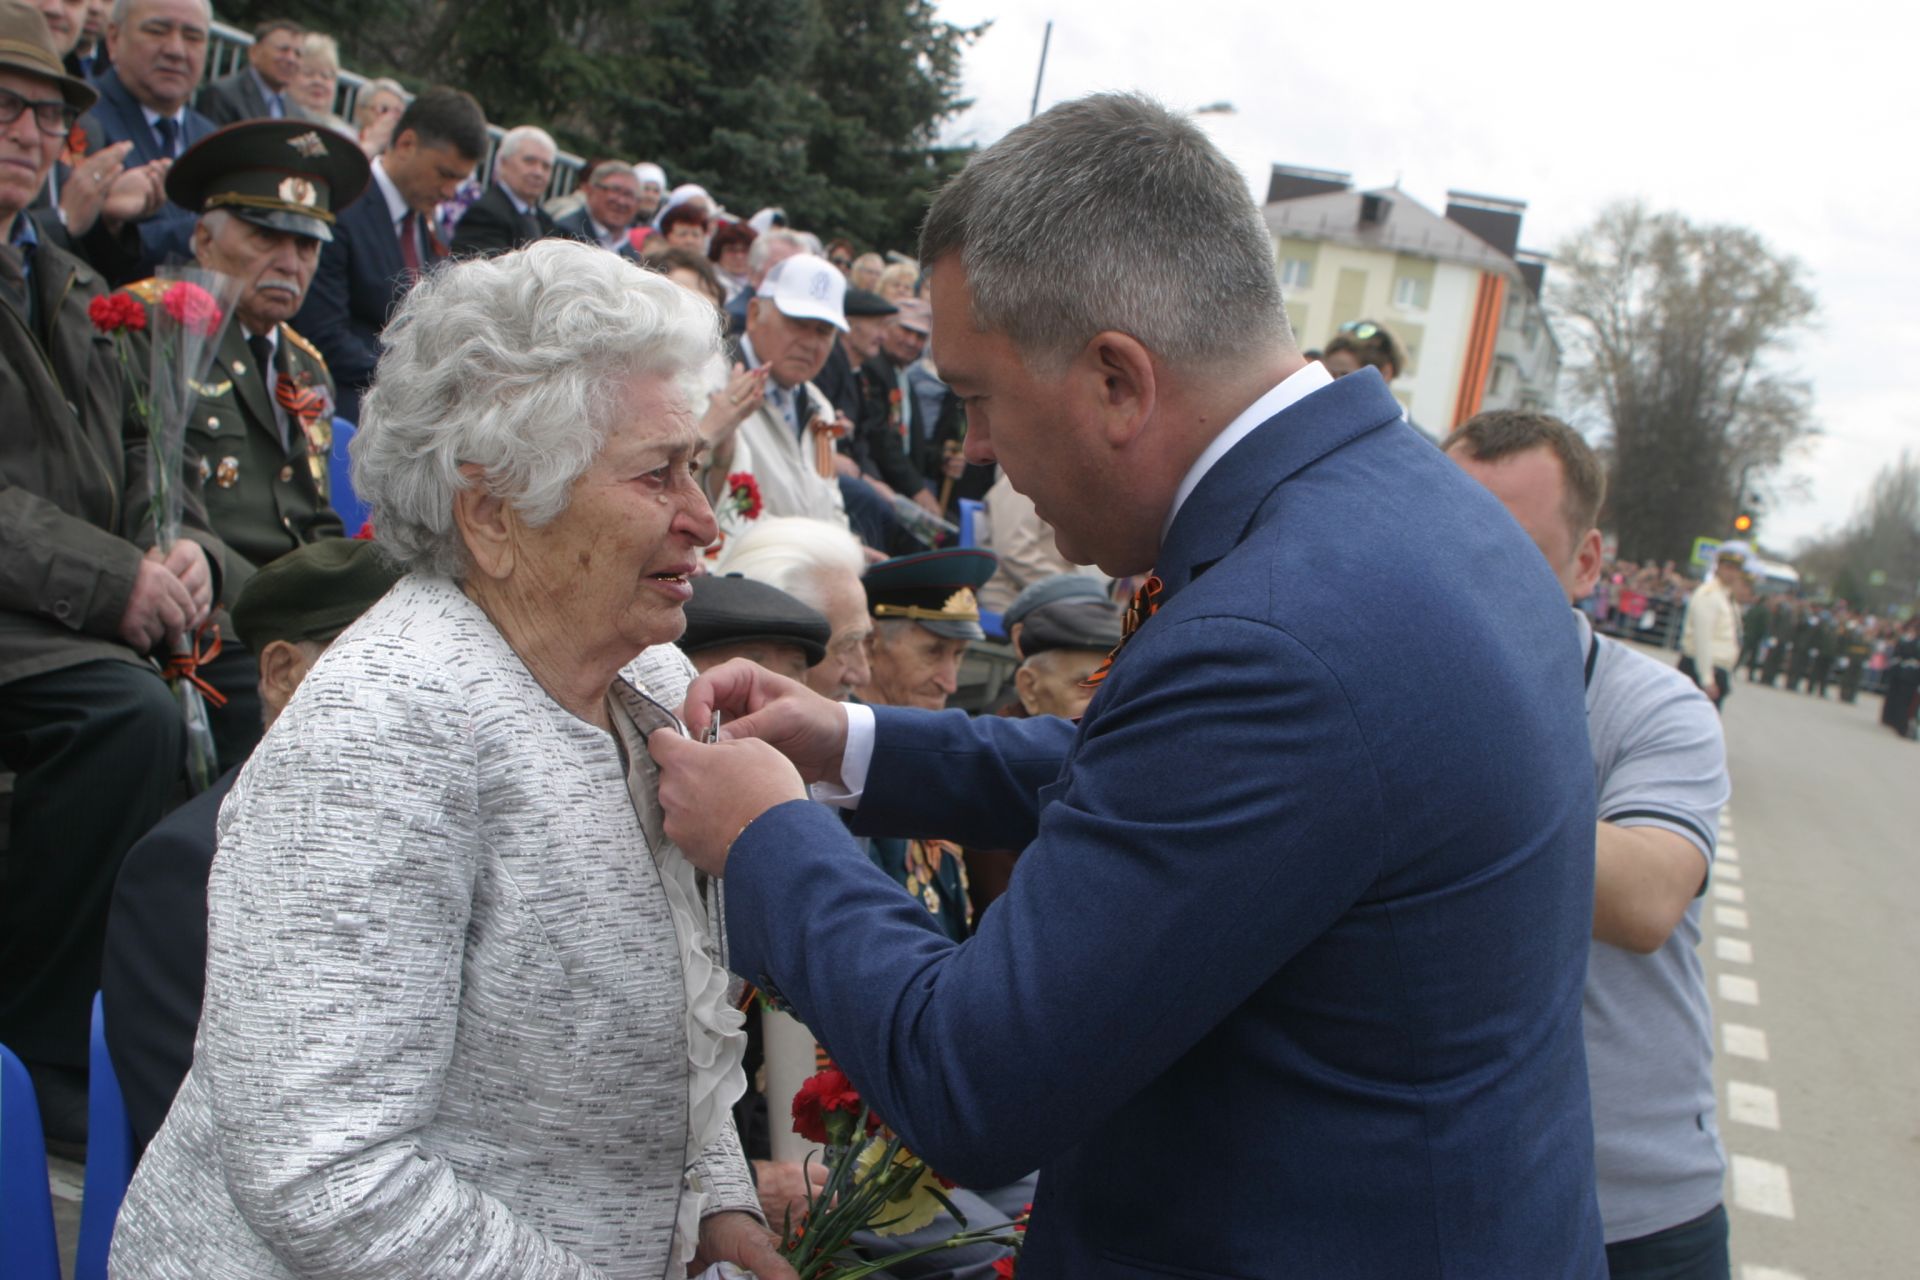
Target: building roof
<point x="1406" y="226"/>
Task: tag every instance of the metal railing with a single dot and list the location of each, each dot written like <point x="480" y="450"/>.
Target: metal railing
<point x="227" y="53"/>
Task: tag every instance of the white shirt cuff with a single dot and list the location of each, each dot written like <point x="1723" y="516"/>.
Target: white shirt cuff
<point x="853" y="764"/>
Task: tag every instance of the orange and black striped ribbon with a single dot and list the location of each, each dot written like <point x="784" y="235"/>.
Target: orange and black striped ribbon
<point x="1145" y="603"/>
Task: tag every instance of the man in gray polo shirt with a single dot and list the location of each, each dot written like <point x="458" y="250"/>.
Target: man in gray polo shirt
<point x="1660" y="765"/>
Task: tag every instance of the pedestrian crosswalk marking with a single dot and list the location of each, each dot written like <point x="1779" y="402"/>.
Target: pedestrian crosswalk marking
<point x="1738" y="989"/>
<point x="1760" y="1186"/>
<point x="1743" y="1042"/>
<point x="1726" y="852"/>
<point x="1729" y="893"/>
<point x="1731" y="917"/>
<point x="1750" y="1272"/>
<point x="1728" y="872"/>
<point x="1738" y="950"/>
<point x="1753" y="1104"/>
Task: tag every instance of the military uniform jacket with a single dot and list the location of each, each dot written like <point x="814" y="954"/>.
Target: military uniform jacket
<point x="264" y="497"/>
<point x="73" y="481"/>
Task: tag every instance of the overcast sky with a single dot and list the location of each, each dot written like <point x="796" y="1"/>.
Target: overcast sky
<point x="1801" y="123"/>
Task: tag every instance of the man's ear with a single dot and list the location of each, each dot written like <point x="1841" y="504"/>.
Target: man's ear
<point x="283" y="665"/>
<point x="486" y="523"/>
<point x="1587" y="563"/>
<point x="1118" y="376"/>
<point x="1025" y="681"/>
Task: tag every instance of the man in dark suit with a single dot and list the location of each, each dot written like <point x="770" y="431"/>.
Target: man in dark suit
<point x="156" y="950"/>
<point x="613" y="196"/>
<point x="383" y="241"/>
<point x="508" y="215"/>
<point x="88" y="58"/>
<point x="159" y="50"/>
<point x="258" y="91"/>
<point x="1287" y="983"/>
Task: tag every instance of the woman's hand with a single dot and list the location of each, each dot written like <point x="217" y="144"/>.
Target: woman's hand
<point x="740" y="1239"/>
<point x="784" y="1187"/>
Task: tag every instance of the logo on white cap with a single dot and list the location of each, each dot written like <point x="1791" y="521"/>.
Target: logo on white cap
<point x="805" y="287"/>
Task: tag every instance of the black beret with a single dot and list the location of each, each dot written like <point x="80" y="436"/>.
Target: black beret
<point x="1071" y="624"/>
<point x="312" y="592"/>
<point x="933" y="588"/>
<point x="864" y="302"/>
<point x="734" y="610"/>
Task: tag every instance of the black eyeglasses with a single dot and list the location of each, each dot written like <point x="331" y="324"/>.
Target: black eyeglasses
<point x="54" y="118"/>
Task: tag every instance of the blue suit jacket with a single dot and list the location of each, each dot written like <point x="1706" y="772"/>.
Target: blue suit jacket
<point x="360" y="280"/>
<point x="1287" y="982"/>
<point x="166" y="237"/>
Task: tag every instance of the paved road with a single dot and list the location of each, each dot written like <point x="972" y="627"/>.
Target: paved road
<point x="1813" y="957"/>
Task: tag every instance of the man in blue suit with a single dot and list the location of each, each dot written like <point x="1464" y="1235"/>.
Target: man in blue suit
<point x="159" y="50"/>
<point x="384" y="240"/>
<point x="1287" y="981"/>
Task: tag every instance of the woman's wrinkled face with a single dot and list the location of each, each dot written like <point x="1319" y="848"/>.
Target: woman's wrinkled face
<point x="617" y="564"/>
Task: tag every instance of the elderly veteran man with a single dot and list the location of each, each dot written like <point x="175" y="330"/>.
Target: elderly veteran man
<point x="820" y="564"/>
<point x="1661" y="769"/>
<point x="268" y="192"/>
<point x="86" y="724"/>
<point x="508" y="214"/>
<point x="925" y="613"/>
<point x="791" y="325"/>
<point x="1249" y="878"/>
<point x="154" y="967"/>
<point x="734" y="617"/>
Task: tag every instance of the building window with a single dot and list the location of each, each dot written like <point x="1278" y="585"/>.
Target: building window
<point x="1410" y="293"/>
<point x="1296" y="273"/>
<point x="1500" y="371"/>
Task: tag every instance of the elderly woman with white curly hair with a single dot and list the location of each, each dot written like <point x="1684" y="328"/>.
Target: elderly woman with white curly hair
<point x="464" y="1012"/>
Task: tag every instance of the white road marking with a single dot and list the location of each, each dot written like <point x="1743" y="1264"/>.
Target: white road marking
<point x="1760" y="1186"/>
<point x="1738" y="950"/>
<point x="1728" y="872"/>
<point x="1743" y="1042"/>
<point x="1753" y="1104"/>
<point x="1729" y="893"/>
<point x="1750" y="1272"/>
<point x="1738" y="989"/>
<point x="1731" y="917"/>
<point x="1726" y="853"/>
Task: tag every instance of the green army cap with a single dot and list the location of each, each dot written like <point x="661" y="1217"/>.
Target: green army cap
<point x="286" y="175"/>
<point x="312" y="592"/>
<point x="934" y="588"/>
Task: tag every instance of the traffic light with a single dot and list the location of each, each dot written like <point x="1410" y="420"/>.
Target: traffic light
<point x="1743" y="523"/>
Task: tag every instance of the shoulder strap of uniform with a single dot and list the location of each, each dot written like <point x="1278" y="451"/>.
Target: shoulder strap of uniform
<point x="292" y="335"/>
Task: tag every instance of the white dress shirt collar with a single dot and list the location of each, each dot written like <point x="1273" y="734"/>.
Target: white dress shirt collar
<point x="396" y="203"/>
<point x="1298" y="386"/>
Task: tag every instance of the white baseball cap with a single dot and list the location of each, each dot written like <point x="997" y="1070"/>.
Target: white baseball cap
<point x="805" y="287"/>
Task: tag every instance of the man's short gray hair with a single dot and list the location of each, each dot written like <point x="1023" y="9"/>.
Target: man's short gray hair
<point x="607" y="168"/>
<point x="514" y="363"/>
<point x="763" y="244"/>
<point x="793" y="553"/>
<point x="1111" y="213"/>
<point x="518" y="136"/>
<point x="118" y="14"/>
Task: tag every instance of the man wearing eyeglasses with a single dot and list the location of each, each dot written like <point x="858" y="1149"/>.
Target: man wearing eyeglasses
<point x="613" y="200"/>
<point x="86" y="724"/>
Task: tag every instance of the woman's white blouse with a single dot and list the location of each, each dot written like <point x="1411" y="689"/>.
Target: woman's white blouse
<point x="447" y="1028"/>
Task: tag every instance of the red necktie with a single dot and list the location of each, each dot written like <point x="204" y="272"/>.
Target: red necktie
<point x="410" y="243"/>
<point x="1145" y="603"/>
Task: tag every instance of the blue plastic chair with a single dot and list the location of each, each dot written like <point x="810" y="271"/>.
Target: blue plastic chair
<point x="109" y="1156"/>
<point x="29" y="1249"/>
<point x="353" y="512"/>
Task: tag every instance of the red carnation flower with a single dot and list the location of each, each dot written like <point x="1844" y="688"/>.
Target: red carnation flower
<point x="744" y="490"/>
<point x="193" y="307"/>
<point x="114" y="312"/>
<point x="828" y="1091"/>
<point x="1003" y="1268"/>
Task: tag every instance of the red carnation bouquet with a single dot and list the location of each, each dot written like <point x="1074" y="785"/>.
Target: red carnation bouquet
<point x="182" y="334"/>
<point x="873" y="1184"/>
<point x="743" y="495"/>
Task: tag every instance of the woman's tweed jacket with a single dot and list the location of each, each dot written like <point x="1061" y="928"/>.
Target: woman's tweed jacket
<point x="444" y="1030"/>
